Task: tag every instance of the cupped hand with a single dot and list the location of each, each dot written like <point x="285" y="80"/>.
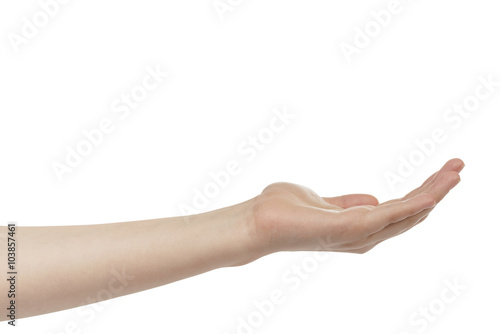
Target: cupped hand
<point x="292" y="217"/>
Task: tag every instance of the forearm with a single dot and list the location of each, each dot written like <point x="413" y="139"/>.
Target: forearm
<point x="63" y="267"/>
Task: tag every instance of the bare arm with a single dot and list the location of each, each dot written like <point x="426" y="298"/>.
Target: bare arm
<point x="62" y="267"/>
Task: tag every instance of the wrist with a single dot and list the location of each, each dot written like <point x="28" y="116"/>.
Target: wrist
<point x="231" y="234"/>
<point x="248" y="243"/>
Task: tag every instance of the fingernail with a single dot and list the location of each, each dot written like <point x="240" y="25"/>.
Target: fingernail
<point x="461" y="168"/>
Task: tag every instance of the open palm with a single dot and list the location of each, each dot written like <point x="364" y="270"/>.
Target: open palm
<point x="292" y="217"/>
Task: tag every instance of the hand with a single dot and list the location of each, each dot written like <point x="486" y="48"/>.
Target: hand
<point x="291" y="217"/>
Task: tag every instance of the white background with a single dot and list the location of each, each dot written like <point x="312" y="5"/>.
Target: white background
<point x="353" y="121"/>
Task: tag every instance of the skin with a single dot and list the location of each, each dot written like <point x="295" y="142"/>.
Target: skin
<point x="62" y="267"/>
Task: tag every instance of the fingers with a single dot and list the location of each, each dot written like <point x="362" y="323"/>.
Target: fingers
<point x="396" y="229"/>
<point x="451" y="165"/>
<point x="385" y="215"/>
<point x="443" y="184"/>
<point x="439" y="189"/>
<point x="348" y="201"/>
<point x="386" y="220"/>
